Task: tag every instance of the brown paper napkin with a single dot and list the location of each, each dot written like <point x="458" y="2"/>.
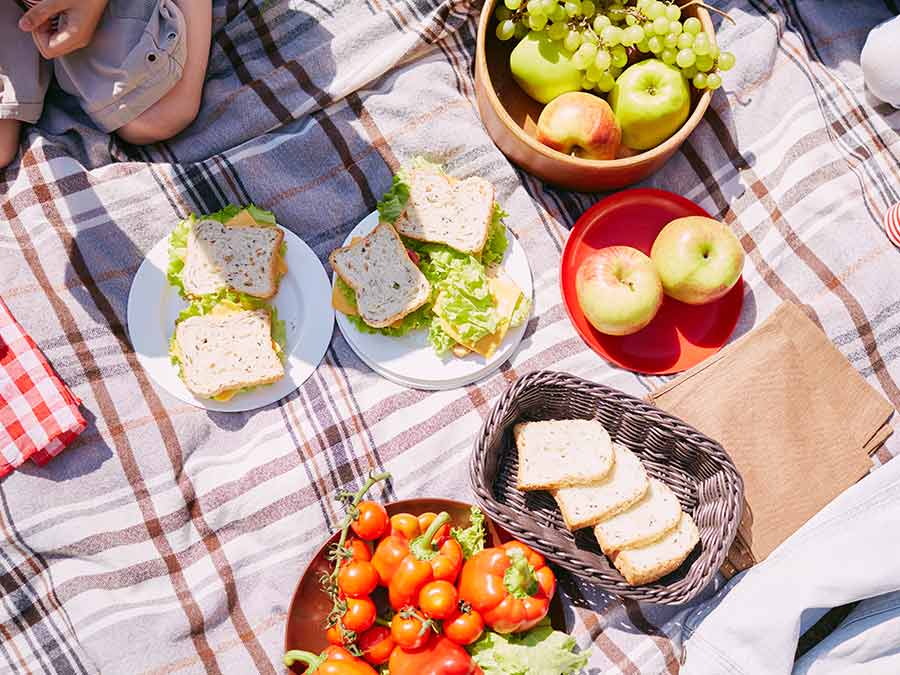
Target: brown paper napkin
<point x="797" y="419"/>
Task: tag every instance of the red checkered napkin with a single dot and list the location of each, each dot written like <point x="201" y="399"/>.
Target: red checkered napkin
<point x="39" y="415"/>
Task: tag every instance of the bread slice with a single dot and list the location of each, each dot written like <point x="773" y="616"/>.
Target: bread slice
<point x="388" y="285"/>
<point x="643" y="564"/>
<point x="240" y="257"/>
<point x="623" y="486"/>
<point x="447" y="211"/>
<point x="224" y="352"/>
<point x="655" y="514"/>
<point x="558" y="453"/>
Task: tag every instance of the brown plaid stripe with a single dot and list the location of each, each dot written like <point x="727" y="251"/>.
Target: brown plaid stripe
<point x="183" y="530"/>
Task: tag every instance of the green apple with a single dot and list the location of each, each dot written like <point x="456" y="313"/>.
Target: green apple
<point x="651" y="101"/>
<point x="543" y="68"/>
<point x="618" y="290"/>
<point x="698" y="259"/>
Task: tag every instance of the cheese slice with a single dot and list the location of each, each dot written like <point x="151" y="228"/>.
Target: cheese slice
<point x="506" y="296"/>
<point x="340" y="302"/>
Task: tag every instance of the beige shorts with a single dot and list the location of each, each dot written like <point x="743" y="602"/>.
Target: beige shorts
<point x="135" y="58"/>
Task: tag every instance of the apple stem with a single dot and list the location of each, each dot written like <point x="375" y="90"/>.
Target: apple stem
<point x="710" y="9"/>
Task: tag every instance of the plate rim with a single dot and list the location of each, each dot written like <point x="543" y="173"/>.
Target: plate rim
<point x="299" y="372"/>
<point x="576" y="234"/>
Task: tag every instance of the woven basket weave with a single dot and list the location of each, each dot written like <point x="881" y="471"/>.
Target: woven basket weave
<point x="694" y="466"/>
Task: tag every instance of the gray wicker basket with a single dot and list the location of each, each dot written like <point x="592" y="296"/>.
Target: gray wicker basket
<point x="696" y="468"/>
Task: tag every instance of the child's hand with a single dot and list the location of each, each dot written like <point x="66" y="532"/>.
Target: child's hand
<point x="80" y="19"/>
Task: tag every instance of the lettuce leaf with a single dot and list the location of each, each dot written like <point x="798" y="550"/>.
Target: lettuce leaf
<point x="438" y="338"/>
<point x="178" y="240"/>
<point x="521" y="313"/>
<point x="540" y="651"/>
<point x="394" y="200"/>
<point x="497" y="243"/>
<point x="471" y="539"/>
<point x="464" y="300"/>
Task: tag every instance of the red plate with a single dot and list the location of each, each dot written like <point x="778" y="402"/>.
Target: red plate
<point x="680" y="336"/>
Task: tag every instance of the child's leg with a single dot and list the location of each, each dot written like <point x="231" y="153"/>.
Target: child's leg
<point x="177" y="109"/>
<point x="9" y="141"/>
<point x="24" y="77"/>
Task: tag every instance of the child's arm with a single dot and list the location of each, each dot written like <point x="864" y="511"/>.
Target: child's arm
<point x="75" y="31"/>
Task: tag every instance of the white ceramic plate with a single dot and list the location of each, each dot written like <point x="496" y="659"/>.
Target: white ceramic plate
<point x="303" y="302"/>
<point x="410" y="360"/>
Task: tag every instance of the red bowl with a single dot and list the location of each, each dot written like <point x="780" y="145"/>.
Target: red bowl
<point x="680" y="336"/>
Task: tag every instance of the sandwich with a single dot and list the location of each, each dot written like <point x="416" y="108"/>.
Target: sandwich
<point x="227" y="343"/>
<point x="238" y="248"/>
<point x="453" y="233"/>
<point x="386" y="283"/>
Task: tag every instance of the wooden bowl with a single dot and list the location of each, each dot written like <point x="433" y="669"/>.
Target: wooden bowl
<point x="510" y="117"/>
<point x="310" y="606"/>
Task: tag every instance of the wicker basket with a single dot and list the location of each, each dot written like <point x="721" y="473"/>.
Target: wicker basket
<point x="694" y="466"/>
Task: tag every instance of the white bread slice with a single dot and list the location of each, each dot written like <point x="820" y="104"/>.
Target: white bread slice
<point x="241" y="257"/>
<point x="222" y="352"/>
<point x="587" y="505"/>
<point x="558" y="453"/>
<point x="655" y="514"/>
<point x="447" y="211"/>
<point x="643" y="564"/>
<point x="388" y="284"/>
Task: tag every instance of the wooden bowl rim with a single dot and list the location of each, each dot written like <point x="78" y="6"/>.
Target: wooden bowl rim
<point x="667" y="146"/>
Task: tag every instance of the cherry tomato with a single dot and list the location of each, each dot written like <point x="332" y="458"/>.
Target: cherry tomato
<point x="357" y="579"/>
<point x="333" y="635"/>
<point x="425" y="519"/>
<point x="464" y="628"/>
<point x="376" y="645"/>
<point x="405" y="524"/>
<point x="439" y="599"/>
<point x="360" y="614"/>
<point x="359" y="550"/>
<point x="409" y="632"/>
<point x="372" y="521"/>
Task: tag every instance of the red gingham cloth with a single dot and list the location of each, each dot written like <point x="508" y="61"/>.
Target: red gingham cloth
<point x="39" y="415"/>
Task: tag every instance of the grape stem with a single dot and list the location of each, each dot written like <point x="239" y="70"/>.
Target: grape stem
<point x="699" y="3"/>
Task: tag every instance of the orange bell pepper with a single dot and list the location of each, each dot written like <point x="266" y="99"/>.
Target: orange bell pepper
<point x="333" y="661"/>
<point x="510" y="586"/>
<point x="425" y="562"/>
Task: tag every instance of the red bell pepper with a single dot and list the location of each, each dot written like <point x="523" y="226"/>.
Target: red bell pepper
<point x="333" y="661"/>
<point x="425" y="562"/>
<point x="439" y="656"/>
<point x="510" y="586"/>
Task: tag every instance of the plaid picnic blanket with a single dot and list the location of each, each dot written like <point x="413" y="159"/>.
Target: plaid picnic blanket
<point x="168" y="539"/>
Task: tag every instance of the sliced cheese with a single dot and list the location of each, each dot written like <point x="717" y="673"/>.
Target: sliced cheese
<point x="340" y="302"/>
<point x="506" y="296"/>
<point x="244" y="219"/>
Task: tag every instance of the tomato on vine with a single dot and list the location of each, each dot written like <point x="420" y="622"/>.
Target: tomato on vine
<point x="357" y="579"/>
<point x="360" y="614"/>
<point x="371" y="522"/>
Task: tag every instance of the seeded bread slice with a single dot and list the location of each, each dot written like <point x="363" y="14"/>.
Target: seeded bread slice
<point x="242" y="257"/>
<point x="623" y="486"/>
<point x="219" y="353"/>
<point x="447" y="211"/>
<point x="559" y="453"/>
<point x="655" y="514"/>
<point x="388" y="284"/>
<point x="644" y="564"/>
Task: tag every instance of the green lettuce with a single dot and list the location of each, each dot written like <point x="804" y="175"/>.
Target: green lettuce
<point x="496" y="244"/>
<point x="540" y="651"/>
<point x="394" y="200"/>
<point x="521" y="312"/>
<point x="471" y="539"/>
<point x="178" y="240"/>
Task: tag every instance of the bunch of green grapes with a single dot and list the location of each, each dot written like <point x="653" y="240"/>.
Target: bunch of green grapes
<point x="600" y="38"/>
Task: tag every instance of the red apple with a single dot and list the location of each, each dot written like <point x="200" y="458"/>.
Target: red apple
<point x="618" y="290"/>
<point x="580" y="124"/>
